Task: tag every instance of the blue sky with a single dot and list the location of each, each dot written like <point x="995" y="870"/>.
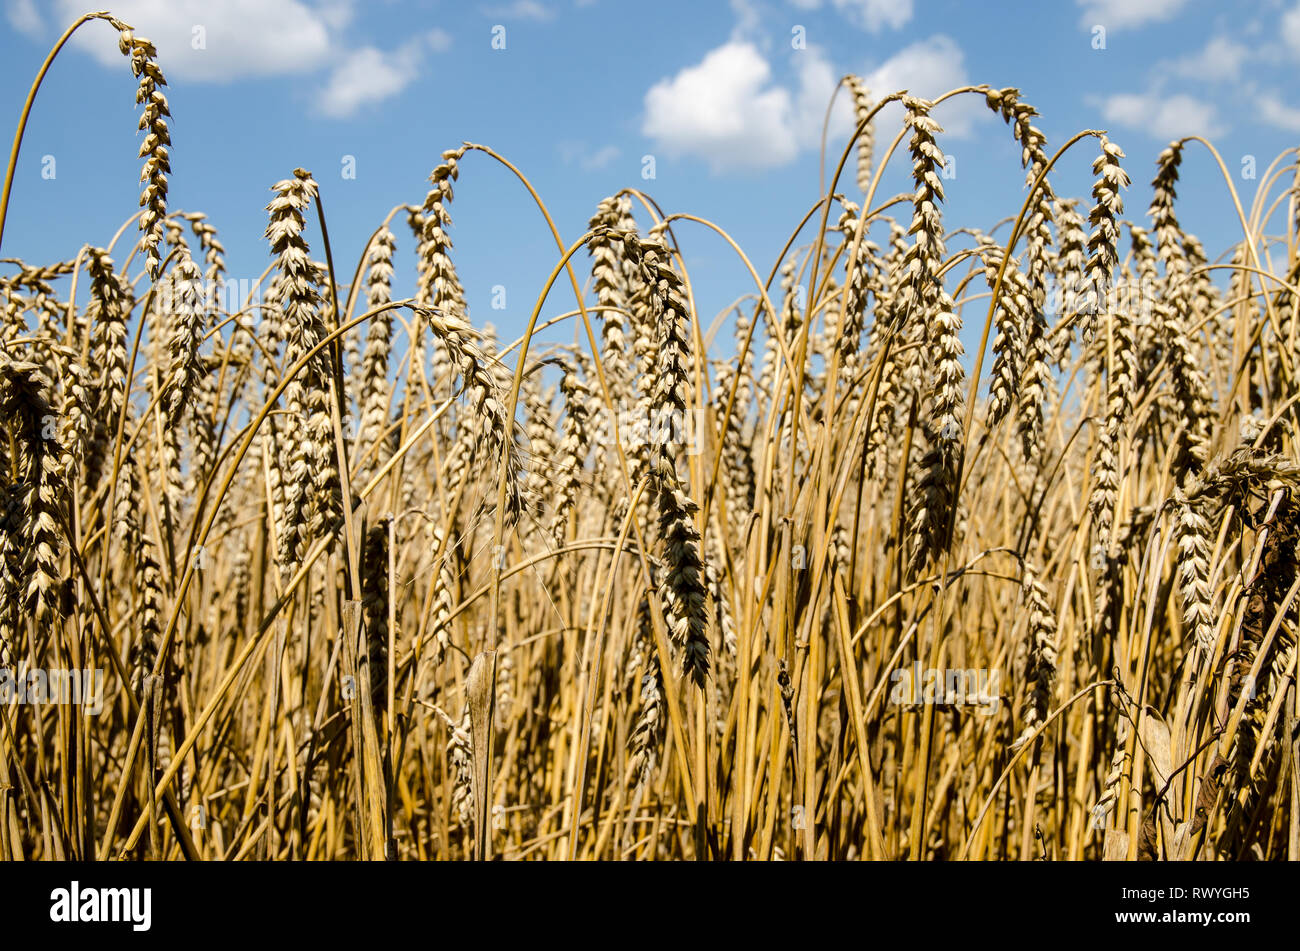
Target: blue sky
<point x="585" y="89"/>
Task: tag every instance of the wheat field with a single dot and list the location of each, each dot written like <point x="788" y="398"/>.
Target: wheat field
<point x="800" y="580"/>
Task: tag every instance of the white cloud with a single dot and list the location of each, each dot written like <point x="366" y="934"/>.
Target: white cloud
<point x="729" y="110"/>
<point x="817" y="80"/>
<point x="522" y="10"/>
<point x="875" y="15"/>
<point x="241" y="39"/>
<point x="337" y="14"/>
<point x="1291" y="28"/>
<point x="600" y="158"/>
<point x="724" y="110"/>
<point x="1117" y="14"/>
<point x="24" y="17"/>
<point x="369" y="75"/>
<point x="749" y="21"/>
<point x="928" y="69"/>
<point x="238" y="38"/>
<point x="1221" y="59"/>
<point x="1165" y="117"/>
<point x="871" y="15"/>
<point x="586" y="158"/>
<point x="439" y="40"/>
<point x="1276" y="113"/>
